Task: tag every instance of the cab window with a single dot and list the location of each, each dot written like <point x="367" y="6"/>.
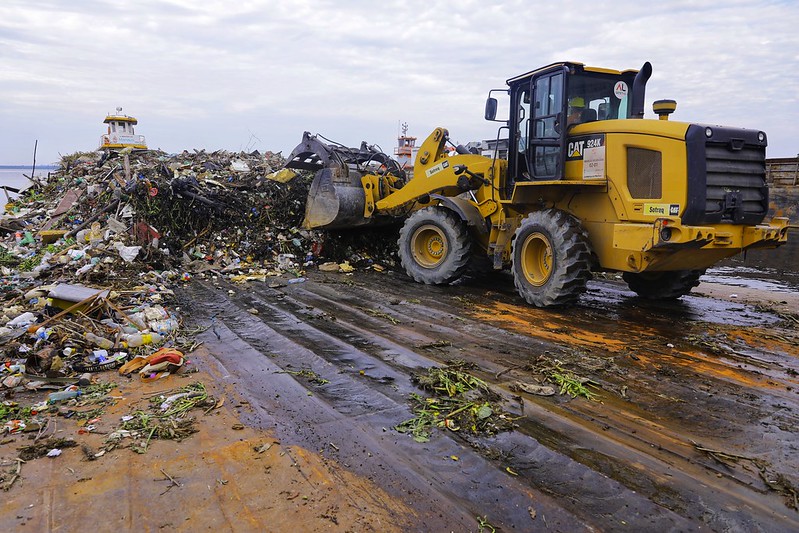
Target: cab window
<point x="606" y="96"/>
<point x="545" y="150"/>
<point x="548" y="95"/>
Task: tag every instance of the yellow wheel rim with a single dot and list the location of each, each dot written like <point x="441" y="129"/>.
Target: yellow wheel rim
<point x="429" y="246"/>
<point x="536" y="259"/>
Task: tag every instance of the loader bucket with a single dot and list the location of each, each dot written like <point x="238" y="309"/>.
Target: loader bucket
<point x="333" y="204"/>
<point x="336" y="198"/>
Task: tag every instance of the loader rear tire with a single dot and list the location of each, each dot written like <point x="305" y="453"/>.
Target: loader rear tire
<point x="662" y="285"/>
<point x="434" y="246"/>
<point x="552" y="259"/>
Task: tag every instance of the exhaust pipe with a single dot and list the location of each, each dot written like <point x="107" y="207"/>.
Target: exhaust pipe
<point x="639" y="90"/>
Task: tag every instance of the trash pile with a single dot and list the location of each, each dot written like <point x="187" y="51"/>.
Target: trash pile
<point x="89" y="260"/>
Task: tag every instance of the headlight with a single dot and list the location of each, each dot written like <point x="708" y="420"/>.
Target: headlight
<point x="708" y="132"/>
<point x="761" y="136"/>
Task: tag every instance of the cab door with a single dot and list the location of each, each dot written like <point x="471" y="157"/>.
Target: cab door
<point x="544" y="156"/>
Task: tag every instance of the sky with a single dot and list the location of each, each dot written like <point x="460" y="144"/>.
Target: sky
<point x="256" y="74"/>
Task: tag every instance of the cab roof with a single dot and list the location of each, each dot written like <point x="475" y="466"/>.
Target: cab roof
<point x="120" y="118"/>
<point x="570" y="65"/>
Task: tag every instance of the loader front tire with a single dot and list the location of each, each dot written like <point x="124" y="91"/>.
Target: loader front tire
<point x="662" y="285"/>
<point x="434" y="246"/>
<point x="551" y="259"/>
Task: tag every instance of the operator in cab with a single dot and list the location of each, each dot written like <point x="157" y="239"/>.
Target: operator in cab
<point x="576" y="108"/>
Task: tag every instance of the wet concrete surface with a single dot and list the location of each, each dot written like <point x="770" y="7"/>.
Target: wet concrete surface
<point x="676" y="382"/>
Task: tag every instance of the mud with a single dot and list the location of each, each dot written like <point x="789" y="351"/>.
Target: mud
<point x="693" y="427"/>
<point x="227" y="476"/>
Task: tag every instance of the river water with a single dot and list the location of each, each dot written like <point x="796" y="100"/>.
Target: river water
<point x="15" y="177"/>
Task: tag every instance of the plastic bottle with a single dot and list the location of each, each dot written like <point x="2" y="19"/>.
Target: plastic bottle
<point x="138" y="319"/>
<point x="99" y="356"/>
<point x="285" y="261"/>
<point x="63" y="395"/>
<point x="95" y="233"/>
<point x="139" y="339"/>
<point x="42" y="334"/>
<point x="164" y="327"/>
<point x="98" y="341"/>
<point x="295" y="280"/>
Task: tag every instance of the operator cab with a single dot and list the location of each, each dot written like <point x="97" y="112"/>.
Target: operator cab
<point x="546" y="104"/>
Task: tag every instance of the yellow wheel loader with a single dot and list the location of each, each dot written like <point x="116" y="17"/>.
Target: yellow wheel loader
<point x="578" y="181"/>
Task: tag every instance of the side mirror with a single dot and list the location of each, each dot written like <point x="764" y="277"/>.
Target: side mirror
<point x="491" y="109"/>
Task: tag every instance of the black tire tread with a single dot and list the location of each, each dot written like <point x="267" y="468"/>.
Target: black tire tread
<point x="459" y="246"/>
<point x="573" y="262"/>
<point x="664" y="285"/>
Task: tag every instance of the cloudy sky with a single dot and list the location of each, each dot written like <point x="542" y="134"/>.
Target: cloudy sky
<point x="255" y="74"/>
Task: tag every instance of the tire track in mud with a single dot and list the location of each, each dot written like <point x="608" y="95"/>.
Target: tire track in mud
<point x="348" y="421"/>
<point x="380" y="325"/>
<point x="665" y="483"/>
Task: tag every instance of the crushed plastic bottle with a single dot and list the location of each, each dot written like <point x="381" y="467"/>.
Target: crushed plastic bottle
<point x="15" y="369"/>
<point x="60" y="396"/>
<point x="164" y="327"/>
<point x="76" y="255"/>
<point x="95" y="235"/>
<point x="99" y="356"/>
<point x="27" y="239"/>
<point x="140" y="339"/>
<point x="100" y="342"/>
<point x="285" y="261"/>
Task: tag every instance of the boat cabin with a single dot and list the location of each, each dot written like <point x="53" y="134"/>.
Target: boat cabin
<point x="406" y="150"/>
<point x="120" y="133"/>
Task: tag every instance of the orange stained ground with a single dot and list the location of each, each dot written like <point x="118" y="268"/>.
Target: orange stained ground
<point x="227" y="477"/>
<point x="648" y="343"/>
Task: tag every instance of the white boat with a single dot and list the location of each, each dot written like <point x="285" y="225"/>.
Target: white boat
<point x="120" y="133"/>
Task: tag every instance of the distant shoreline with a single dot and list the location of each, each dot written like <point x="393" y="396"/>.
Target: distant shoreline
<point x="23" y="167"/>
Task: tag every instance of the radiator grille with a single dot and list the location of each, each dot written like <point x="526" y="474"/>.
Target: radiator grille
<point x="736" y="183"/>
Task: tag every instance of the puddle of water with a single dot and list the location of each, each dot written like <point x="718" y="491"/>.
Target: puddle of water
<point x="750" y="278"/>
<point x="779" y="266"/>
<point x="618" y="303"/>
